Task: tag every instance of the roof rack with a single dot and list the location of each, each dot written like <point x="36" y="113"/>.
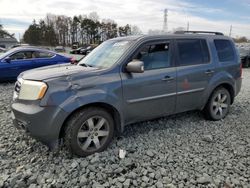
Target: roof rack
<point x="198" y="32"/>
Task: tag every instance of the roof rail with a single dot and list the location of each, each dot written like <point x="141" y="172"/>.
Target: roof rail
<point x="198" y="32"/>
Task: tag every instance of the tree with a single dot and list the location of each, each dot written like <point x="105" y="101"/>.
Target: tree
<point x="33" y="34"/>
<point x="64" y="30"/>
<point x="135" y="30"/>
<point x="125" y="30"/>
<point x="40" y="34"/>
<point x="5" y="34"/>
<point x="240" y="39"/>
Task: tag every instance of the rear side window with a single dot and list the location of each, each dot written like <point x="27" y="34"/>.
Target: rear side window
<point x="43" y="54"/>
<point x="193" y="51"/>
<point x="21" y="55"/>
<point x="224" y="50"/>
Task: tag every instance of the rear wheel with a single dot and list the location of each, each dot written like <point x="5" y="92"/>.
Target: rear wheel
<point x="88" y="131"/>
<point x="218" y="105"/>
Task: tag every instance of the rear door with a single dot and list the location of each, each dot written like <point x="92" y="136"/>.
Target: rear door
<point x="152" y="93"/>
<point x="43" y="58"/>
<point x="194" y="71"/>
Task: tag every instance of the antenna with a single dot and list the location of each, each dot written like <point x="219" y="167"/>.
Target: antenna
<point x="165" y="23"/>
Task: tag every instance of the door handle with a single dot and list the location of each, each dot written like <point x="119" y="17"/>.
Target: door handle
<point x="168" y="78"/>
<point x="209" y="72"/>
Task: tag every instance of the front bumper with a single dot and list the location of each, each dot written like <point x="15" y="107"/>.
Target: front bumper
<point x="42" y="123"/>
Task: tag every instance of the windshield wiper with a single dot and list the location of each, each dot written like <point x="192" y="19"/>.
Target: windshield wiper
<point x="85" y="65"/>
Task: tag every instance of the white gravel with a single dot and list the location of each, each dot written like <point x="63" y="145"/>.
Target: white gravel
<point x="177" y="151"/>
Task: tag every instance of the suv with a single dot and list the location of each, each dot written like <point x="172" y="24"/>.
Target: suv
<point x="127" y="80"/>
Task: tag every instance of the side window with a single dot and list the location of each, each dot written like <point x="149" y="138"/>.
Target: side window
<point x="42" y="54"/>
<point x="192" y="51"/>
<point x="155" y="56"/>
<point x="224" y="50"/>
<point x="21" y="55"/>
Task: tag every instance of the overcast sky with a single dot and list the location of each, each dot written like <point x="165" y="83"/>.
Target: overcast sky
<point x="215" y="15"/>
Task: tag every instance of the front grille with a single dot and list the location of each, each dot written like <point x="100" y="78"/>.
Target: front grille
<point x="17" y="87"/>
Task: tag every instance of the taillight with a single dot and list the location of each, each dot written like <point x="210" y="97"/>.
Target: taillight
<point x="73" y="60"/>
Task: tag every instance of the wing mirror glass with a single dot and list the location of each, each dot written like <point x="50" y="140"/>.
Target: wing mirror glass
<point x="135" y="66"/>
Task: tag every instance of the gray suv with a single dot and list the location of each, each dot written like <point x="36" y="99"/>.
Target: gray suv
<point x="127" y="80"/>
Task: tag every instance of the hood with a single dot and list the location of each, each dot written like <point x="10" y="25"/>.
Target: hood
<point x="54" y="71"/>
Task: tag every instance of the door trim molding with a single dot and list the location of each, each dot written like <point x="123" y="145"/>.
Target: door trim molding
<point x="164" y="95"/>
<point x="190" y="91"/>
<point x="150" y="98"/>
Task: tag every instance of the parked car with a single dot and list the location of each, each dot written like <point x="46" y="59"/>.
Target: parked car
<point x="87" y="50"/>
<point x="126" y="80"/>
<point x="60" y="49"/>
<point x="76" y="51"/>
<point x="245" y="56"/>
<point x="19" y="45"/>
<point x="19" y="59"/>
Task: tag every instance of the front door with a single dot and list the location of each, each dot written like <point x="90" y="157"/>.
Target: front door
<point x="152" y="93"/>
<point x="20" y="61"/>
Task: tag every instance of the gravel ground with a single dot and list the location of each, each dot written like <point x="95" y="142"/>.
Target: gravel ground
<point x="177" y="151"/>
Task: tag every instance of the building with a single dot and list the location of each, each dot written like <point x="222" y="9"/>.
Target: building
<point x="7" y="42"/>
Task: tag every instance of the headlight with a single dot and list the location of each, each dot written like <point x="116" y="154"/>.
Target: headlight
<point x="32" y="90"/>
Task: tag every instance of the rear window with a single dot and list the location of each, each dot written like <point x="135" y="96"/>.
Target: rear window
<point x="193" y="51"/>
<point x="224" y="50"/>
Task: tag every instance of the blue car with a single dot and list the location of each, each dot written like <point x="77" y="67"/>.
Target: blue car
<point x="20" y="59"/>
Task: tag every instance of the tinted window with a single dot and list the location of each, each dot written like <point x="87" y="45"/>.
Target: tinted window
<point x="21" y="55"/>
<point x="155" y="56"/>
<point x="42" y="55"/>
<point x="224" y="50"/>
<point x="192" y="51"/>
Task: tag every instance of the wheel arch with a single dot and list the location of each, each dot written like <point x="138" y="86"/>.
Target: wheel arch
<point x="227" y="86"/>
<point x="109" y="108"/>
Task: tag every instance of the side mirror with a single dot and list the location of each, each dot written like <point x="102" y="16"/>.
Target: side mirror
<point x="135" y="66"/>
<point x="7" y="59"/>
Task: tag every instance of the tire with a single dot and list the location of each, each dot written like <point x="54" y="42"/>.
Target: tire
<point x="247" y="62"/>
<point x="218" y="104"/>
<point x="89" y="131"/>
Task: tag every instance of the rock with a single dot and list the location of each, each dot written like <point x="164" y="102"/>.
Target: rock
<point x="84" y="164"/>
<point x="150" y="153"/>
<point x="126" y="184"/>
<point x="205" y="179"/>
<point x="159" y="184"/>
<point x="207" y="138"/>
<point x="121" y="179"/>
<point x="83" y="180"/>
<point x="19" y="169"/>
<point x="74" y="164"/>
<point x="145" y="179"/>
<point x="170" y="185"/>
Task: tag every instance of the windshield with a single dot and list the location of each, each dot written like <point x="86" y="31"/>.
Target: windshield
<point x="106" y="55"/>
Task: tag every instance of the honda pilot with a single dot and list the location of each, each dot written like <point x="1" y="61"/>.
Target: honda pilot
<point x="127" y="80"/>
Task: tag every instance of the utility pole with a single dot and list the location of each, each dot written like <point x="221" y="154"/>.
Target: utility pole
<point x="230" y="31"/>
<point x="165" y="23"/>
<point x="187" y="26"/>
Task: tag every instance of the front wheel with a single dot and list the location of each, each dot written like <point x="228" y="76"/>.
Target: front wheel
<point x="218" y="104"/>
<point x="88" y="131"/>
